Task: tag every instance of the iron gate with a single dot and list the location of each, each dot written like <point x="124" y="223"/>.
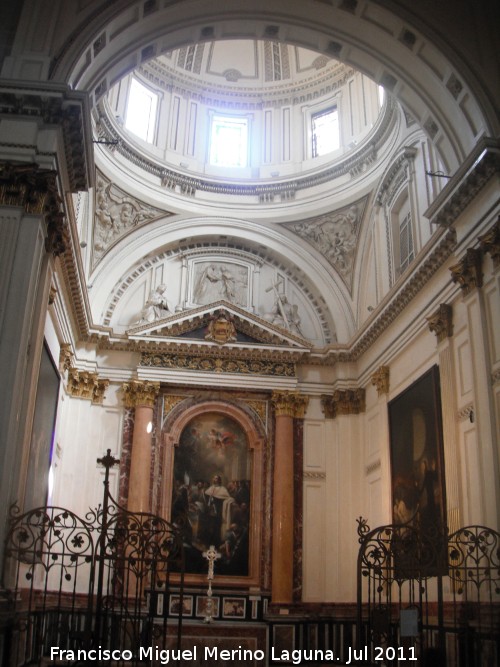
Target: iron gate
<point x="429" y="596"/>
<point x="92" y="589"/>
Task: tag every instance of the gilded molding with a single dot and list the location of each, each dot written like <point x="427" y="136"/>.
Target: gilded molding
<point x="289" y="404"/>
<point x="206" y="364"/>
<point x="467" y="273"/>
<point x="343" y="402"/>
<point x="139" y="393"/>
<point x="85" y="384"/>
<point x="380" y="379"/>
<point x="170" y="401"/>
<point x="35" y="190"/>
<point x="260" y="409"/>
<point x="490" y="243"/>
<point x="441" y="322"/>
<point x="65" y="357"/>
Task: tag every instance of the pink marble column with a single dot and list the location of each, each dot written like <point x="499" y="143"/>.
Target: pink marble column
<point x="287" y="406"/>
<point x="141" y="396"/>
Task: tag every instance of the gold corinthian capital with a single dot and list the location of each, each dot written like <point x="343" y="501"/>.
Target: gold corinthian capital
<point x="290" y="403"/>
<point x="137" y="392"/>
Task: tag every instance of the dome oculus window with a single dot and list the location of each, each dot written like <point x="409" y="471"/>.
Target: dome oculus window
<point x="325" y="132"/>
<point x="140" y="116"/>
<point x="229" y="141"/>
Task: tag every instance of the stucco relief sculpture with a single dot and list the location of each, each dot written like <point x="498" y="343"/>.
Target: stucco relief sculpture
<point x="155" y="307"/>
<point x="334" y="235"/>
<point x="284" y="314"/>
<point x="214" y="281"/>
<point x="115" y="214"/>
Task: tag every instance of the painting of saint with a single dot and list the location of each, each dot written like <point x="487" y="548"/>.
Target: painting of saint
<point x="418" y="497"/>
<point x="212" y="493"/>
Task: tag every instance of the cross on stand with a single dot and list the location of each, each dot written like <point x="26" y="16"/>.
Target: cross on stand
<point x="211" y="555"/>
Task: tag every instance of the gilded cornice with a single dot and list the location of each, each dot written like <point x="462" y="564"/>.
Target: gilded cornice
<point x="441" y="322"/>
<point x="85" y="384"/>
<point x="140" y="393"/>
<point x="343" y="402"/>
<point x="289" y="404"/>
<point x="216" y="364"/>
<point x="380" y="379"/>
<point x="35" y="190"/>
<point x="467" y="273"/>
<point x="490" y="243"/>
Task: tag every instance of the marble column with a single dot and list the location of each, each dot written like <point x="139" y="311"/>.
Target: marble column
<point x="287" y="406"/>
<point x="141" y="396"/>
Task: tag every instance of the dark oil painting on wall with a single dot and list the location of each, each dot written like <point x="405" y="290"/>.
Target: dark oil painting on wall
<point x="42" y="435"/>
<point x="417" y="467"/>
<point x="212" y="493"/>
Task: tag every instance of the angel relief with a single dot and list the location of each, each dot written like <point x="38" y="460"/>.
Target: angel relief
<point x="115" y="214"/>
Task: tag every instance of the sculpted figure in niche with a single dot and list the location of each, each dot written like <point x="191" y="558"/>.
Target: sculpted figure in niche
<point x="156" y="306"/>
<point x="218" y="281"/>
<point x="284" y="314"/>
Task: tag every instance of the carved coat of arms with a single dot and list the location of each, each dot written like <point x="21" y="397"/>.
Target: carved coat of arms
<point x="221" y="330"/>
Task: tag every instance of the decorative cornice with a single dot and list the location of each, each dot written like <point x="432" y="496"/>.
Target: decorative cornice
<point x="35" y="190"/>
<point x="343" y="402"/>
<point x="85" y="384"/>
<point x="481" y="167"/>
<point x="55" y="105"/>
<point x="398" y="302"/>
<point x="468" y="272"/>
<point x="380" y="379"/>
<point x="354" y="163"/>
<point x="65" y="357"/>
<point x="140" y="393"/>
<point x="441" y="322"/>
<point x="216" y="364"/>
<point x="289" y="404"/>
<point x="490" y="243"/>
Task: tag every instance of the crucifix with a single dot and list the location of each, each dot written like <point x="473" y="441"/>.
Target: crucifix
<point x="211" y="555"/>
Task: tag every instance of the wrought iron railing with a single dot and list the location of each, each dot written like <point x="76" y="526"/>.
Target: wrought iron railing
<point x="429" y="595"/>
<point x="86" y="590"/>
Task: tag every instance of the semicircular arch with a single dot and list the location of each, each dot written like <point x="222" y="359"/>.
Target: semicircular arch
<point x="373" y="39"/>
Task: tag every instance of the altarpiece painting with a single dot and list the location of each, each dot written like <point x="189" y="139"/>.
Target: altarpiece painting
<point x="212" y="487"/>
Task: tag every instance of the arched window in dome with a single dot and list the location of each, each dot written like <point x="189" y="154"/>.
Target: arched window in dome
<point x="229" y="141"/>
<point x="140" y="117"/>
<point x="325" y="131"/>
